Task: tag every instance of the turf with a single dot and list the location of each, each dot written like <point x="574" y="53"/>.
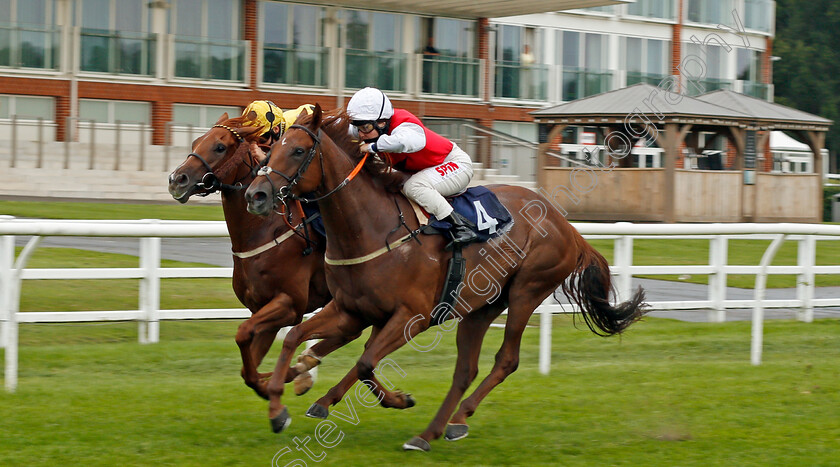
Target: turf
<point x="666" y="393"/>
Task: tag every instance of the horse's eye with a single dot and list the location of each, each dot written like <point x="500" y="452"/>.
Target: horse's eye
<point x="220" y="148"/>
<point x="299" y="151"/>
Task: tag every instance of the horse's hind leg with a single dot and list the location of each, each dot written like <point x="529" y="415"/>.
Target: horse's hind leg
<point x="522" y="305"/>
<point x="471" y="332"/>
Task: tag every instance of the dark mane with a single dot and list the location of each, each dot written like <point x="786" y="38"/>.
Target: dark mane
<point x="336" y="124"/>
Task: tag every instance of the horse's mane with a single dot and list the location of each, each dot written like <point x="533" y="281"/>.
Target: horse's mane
<point x="336" y="124"/>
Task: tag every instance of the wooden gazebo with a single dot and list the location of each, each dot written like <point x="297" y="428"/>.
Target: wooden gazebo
<point x="672" y="193"/>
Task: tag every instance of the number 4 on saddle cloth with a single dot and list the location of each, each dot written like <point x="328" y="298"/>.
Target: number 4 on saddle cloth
<point x="488" y="217"/>
<point x="480" y="206"/>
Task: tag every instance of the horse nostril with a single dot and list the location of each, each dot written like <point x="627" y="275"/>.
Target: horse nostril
<point x="259" y="196"/>
<point x="181" y="179"/>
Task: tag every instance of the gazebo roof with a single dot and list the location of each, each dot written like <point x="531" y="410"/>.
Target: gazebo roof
<point x="642" y="99"/>
<point x="759" y="109"/>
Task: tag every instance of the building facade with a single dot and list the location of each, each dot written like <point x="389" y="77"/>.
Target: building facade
<point x="171" y="67"/>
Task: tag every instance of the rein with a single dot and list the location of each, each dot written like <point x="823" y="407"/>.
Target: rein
<point x="210" y="181"/>
<point x="286" y="191"/>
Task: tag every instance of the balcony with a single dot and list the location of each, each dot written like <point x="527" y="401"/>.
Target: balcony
<point x="297" y="65"/>
<point x="695" y="87"/>
<point x="448" y="75"/>
<point x="104" y="51"/>
<point x="581" y="83"/>
<point x="23" y="46"/>
<point x="384" y="70"/>
<point x="635" y="77"/>
<point x="209" y="59"/>
<point x="517" y="81"/>
<point x="759" y="90"/>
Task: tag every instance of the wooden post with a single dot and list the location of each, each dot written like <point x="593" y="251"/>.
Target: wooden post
<point x="816" y="141"/>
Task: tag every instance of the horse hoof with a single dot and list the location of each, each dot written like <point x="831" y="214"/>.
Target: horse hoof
<point x="281" y="422"/>
<point x="454" y="432"/>
<point x="417" y="444"/>
<point x="303" y="382"/>
<point x="317" y="411"/>
<point x="409" y="401"/>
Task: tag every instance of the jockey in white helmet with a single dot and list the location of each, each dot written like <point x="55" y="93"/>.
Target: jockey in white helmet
<point x="440" y="168"/>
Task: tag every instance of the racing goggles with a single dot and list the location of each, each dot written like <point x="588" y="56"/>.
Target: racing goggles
<point x="366" y="126"/>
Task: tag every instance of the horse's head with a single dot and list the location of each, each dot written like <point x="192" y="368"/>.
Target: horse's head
<point x="289" y="169"/>
<point x="211" y="162"/>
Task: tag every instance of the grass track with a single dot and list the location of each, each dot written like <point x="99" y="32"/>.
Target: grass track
<point x="666" y="393"/>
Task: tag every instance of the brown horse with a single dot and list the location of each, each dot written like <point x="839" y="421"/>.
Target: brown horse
<point x="395" y="290"/>
<point x="272" y="276"/>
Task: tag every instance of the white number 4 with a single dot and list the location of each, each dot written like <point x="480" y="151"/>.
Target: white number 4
<point x="485" y="222"/>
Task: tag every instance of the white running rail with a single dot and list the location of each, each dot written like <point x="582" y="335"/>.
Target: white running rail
<point x="13" y="271"/>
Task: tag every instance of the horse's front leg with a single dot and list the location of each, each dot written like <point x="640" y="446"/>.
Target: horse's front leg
<point x="255" y="336"/>
<point x="330" y="323"/>
<point x="389" y="399"/>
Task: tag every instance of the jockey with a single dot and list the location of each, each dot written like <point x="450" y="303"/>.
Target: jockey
<point x="272" y="121"/>
<point x="440" y="168"/>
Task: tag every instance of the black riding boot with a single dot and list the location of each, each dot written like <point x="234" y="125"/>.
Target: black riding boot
<point x="461" y="232"/>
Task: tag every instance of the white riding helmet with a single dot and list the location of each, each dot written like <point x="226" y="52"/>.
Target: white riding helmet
<point x="370" y="104"/>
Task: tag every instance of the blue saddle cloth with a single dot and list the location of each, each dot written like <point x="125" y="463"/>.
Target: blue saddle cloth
<point x="310" y="209"/>
<point x="489" y="217"/>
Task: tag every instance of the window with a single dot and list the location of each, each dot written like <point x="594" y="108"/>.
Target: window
<point x="28" y="36"/>
<point x="584" y="61"/>
<point x="706" y="69"/>
<point x="519" y="70"/>
<point x="201" y="116"/>
<point x="207" y="39"/>
<point x="115" y="38"/>
<point x="293" y="50"/>
<point x="373" y="57"/>
<point x="712" y="12"/>
<point x="27" y="107"/>
<point x="652" y="8"/>
<point x="102" y="111"/>
<point x="758" y="14"/>
<point x="645" y="60"/>
<point x="448" y="52"/>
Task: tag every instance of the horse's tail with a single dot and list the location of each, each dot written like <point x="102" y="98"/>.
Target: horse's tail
<point x="589" y="287"/>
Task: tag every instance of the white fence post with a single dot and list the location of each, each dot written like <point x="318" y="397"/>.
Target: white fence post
<point x="545" y="338"/>
<point x="623" y="259"/>
<point x="758" y="307"/>
<point x="149" y="327"/>
<point x="806" y="258"/>
<point x="718" y="252"/>
<point x="7" y="256"/>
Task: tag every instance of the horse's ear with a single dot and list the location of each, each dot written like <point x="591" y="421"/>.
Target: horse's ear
<point x="249" y="132"/>
<point x="222" y="118"/>
<point x="316" y="116"/>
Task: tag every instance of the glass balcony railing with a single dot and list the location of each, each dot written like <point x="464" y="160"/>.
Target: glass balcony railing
<point x="384" y="70"/>
<point x="695" y="87"/>
<point x="210" y="59"/>
<point x="122" y="52"/>
<point x="517" y="81"/>
<point x="580" y="83"/>
<point x="759" y="90"/>
<point x="758" y="14"/>
<point x="24" y="46"/>
<point x="443" y="74"/>
<point x="297" y="65"/>
<point x="634" y="77"/>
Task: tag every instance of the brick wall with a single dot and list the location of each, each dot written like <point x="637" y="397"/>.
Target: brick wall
<point x="766" y="63"/>
<point x="250" y="23"/>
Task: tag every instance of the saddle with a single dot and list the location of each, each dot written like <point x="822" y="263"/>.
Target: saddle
<point x="486" y="215"/>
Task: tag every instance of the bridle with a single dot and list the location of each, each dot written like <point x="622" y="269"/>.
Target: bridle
<point x="210" y="182"/>
<point x="285" y="192"/>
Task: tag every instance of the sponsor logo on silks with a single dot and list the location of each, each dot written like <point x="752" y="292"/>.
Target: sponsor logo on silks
<point x="447" y="168"/>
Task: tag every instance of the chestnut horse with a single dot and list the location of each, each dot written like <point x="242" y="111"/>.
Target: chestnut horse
<point x="272" y="276"/>
<point x="395" y="289"/>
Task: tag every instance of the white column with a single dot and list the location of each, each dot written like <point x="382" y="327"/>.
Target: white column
<point x="718" y="252"/>
<point x="623" y="259"/>
<point x="149" y="290"/>
<point x="159" y="22"/>
<point x="545" y="338"/>
<point x="7" y="255"/>
<point x="806" y="259"/>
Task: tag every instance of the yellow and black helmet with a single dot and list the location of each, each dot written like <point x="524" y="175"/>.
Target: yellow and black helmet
<point x="266" y="115"/>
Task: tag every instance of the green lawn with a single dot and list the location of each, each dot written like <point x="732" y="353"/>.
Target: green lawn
<point x="75" y="210"/>
<point x="665" y="393"/>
